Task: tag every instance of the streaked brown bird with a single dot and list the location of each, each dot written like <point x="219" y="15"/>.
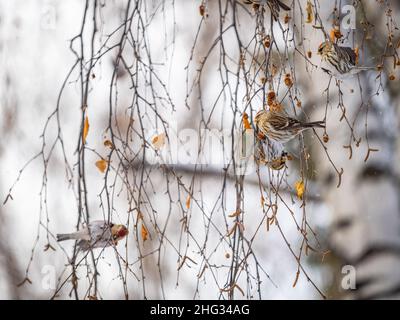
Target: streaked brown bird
<point x="279" y="127"/>
<point x="340" y="60"/>
<point x="274" y="6"/>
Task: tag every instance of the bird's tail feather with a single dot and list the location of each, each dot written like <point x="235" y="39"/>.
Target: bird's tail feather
<point x="63" y="236"/>
<point x="283" y="6"/>
<point x="67" y="236"/>
<point x="365" y="68"/>
<point x="315" y="124"/>
<point x="275" y="2"/>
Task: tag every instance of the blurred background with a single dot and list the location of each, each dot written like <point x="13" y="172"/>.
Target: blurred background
<point x="140" y="86"/>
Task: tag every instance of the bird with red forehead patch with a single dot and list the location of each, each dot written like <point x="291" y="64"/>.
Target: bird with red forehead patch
<point x="118" y="231"/>
<point x="97" y="234"/>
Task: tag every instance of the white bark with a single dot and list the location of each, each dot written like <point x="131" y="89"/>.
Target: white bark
<point x="366" y="218"/>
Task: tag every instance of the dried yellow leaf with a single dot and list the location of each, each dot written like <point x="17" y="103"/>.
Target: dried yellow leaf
<point x="144" y="232"/>
<point x="101" y="165"/>
<point x="235" y="214"/>
<point x="288" y="80"/>
<point x="188" y="202"/>
<point x="246" y="122"/>
<point x="158" y="141"/>
<point x="85" y="130"/>
<point x="230" y="232"/>
<point x="325" y="138"/>
<point x="108" y="143"/>
<point x="271" y="98"/>
<point x="296" y="279"/>
<point x="335" y="33"/>
<point x="274" y="70"/>
<point x="357" y="53"/>
<point x="267" y="41"/>
<point x="309" y="11"/>
<point x="332" y="35"/>
<point x="300" y="188"/>
<point x="202" y="10"/>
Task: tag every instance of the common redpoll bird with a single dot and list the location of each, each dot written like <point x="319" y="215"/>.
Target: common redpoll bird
<point x="97" y="234"/>
<point x="275" y="162"/>
<point x="279" y="127"/>
<point x="274" y="5"/>
<point x="341" y="61"/>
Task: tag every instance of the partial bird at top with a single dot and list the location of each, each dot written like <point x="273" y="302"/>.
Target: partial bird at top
<point x="274" y="5"/>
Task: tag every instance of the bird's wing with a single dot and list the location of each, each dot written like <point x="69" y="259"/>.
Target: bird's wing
<point x="283" y="6"/>
<point x="283" y="122"/>
<point x="276" y="3"/>
<point x="349" y="52"/>
<point x="293" y="123"/>
<point x="99" y="228"/>
<point x="278" y="121"/>
<point x="82" y="234"/>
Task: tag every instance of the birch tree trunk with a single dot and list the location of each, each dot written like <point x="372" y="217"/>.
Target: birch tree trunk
<point x="366" y="220"/>
<point x="365" y="229"/>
